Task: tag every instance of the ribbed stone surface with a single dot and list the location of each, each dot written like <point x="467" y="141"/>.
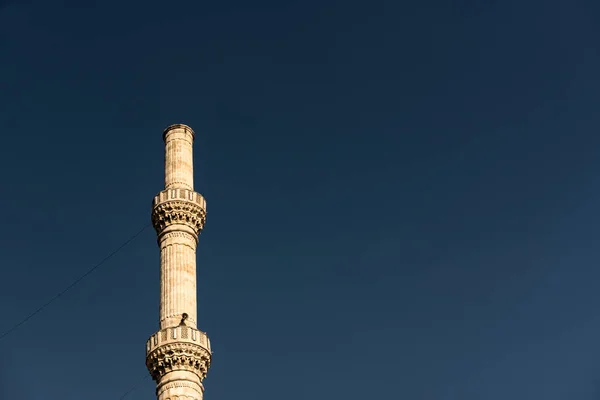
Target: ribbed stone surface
<point x="177" y="279"/>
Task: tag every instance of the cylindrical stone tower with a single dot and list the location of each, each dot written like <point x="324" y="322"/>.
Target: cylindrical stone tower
<point x="178" y="355"/>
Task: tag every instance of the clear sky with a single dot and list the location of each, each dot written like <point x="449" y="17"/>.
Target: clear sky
<point x="403" y="197"/>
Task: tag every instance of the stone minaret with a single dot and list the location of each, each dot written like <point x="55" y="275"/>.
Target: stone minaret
<point x="178" y="355"/>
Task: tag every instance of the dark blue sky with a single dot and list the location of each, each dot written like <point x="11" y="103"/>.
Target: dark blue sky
<point x="403" y="197"/>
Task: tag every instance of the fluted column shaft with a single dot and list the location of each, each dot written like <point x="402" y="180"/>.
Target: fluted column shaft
<point x="177" y="277"/>
<point x="182" y="385"/>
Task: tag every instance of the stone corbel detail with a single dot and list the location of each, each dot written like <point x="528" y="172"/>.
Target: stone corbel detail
<point x="178" y="356"/>
<point x="178" y="212"/>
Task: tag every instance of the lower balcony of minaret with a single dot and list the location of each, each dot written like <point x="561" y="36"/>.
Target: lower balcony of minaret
<point x="178" y="349"/>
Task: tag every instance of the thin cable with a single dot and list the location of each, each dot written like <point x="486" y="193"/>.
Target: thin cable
<point x="127" y="393"/>
<point x="74" y="283"/>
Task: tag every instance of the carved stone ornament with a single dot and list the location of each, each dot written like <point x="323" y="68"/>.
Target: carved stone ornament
<point x="176" y="357"/>
<point x="178" y="385"/>
<point x="178" y="212"/>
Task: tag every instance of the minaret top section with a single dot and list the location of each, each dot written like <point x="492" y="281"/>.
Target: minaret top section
<point x="179" y="158"/>
<point x="175" y="127"/>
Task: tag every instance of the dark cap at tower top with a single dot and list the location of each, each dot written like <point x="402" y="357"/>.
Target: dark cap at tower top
<point x="178" y="126"/>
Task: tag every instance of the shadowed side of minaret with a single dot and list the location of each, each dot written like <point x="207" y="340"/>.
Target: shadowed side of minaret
<point x="178" y="355"/>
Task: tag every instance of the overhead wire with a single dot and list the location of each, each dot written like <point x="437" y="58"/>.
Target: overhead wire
<point x="72" y="285"/>
<point x="127" y="393"/>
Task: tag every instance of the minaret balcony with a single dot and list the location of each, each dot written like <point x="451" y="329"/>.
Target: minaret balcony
<point x="178" y="334"/>
<point x="179" y="194"/>
<point x="179" y="207"/>
<point x="178" y="349"/>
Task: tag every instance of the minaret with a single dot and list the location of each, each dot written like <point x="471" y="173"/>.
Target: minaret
<point x="178" y="355"/>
